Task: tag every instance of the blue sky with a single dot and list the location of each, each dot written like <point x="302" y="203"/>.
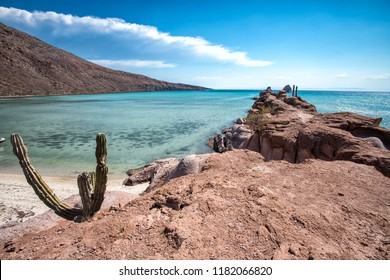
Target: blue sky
<point x="221" y="44"/>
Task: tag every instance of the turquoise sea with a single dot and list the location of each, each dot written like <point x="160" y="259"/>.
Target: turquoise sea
<point x="60" y="131"/>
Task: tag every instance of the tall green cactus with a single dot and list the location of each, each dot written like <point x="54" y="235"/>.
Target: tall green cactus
<point x="91" y="186"/>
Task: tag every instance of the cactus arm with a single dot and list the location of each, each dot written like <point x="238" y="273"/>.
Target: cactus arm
<point x="100" y="176"/>
<point x="84" y="184"/>
<point x="91" y="186"/>
<point x="38" y="184"/>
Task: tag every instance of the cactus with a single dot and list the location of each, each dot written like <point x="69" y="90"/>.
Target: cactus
<point x="91" y="186"/>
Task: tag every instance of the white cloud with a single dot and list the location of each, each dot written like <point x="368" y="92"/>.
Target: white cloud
<point x="342" y="75"/>
<point x="385" y="76"/>
<point x="133" y="63"/>
<point x="69" y="24"/>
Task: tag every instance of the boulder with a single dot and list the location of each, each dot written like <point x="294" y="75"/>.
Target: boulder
<point x="268" y="90"/>
<point x="240" y="136"/>
<point x="162" y="171"/>
<point x="229" y="141"/>
<point x="150" y="172"/>
<point x="241" y="120"/>
<point x="376" y="142"/>
<point x="189" y="165"/>
<point x="219" y="144"/>
<point x="287" y="88"/>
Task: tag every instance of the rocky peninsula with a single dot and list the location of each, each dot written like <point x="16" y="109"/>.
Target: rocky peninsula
<point x="286" y="183"/>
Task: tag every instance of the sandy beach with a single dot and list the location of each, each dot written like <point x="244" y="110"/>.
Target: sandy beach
<point x="18" y="202"/>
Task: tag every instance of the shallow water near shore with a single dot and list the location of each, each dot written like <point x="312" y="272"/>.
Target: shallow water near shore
<point x="60" y="131"/>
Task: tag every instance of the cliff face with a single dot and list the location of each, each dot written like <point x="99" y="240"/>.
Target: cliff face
<point x="29" y="66"/>
<point x="289" y="128"/>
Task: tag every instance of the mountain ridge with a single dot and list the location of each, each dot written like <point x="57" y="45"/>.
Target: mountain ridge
<point x="31" y="67"/>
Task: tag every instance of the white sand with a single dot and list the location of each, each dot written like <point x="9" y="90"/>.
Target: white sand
<point x="18" y="202"/>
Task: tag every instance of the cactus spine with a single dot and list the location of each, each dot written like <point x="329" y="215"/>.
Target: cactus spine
<point x="91" y="189"/>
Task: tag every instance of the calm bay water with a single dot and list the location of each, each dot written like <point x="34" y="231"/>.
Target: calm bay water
<point x="60" y="131"/>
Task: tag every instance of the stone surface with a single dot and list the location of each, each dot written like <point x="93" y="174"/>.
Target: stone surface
<point x="241" y="120"/>
<point x="237" y="207"/>
<point x="162" y="171"/>
<point x="192" y="164"/>
<point x="219" y="144"/>
<point x="151" y="171"/>
<point x="296" y="132"/>
<point x="287" y="88"/>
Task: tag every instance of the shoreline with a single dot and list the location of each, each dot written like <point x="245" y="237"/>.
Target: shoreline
<point x="96" y="93"/>
<point x="203" y="89"/>
<point x="18" y="202"/>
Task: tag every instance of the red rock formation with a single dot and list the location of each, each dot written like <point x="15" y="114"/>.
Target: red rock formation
<point x="238" y="207"/>
<point x="295" y="131"/>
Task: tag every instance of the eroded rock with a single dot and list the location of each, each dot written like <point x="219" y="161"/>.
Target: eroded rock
<point x="151" y="171"/>
<point x="295" y="131"/>
<point x="162" y="171"/>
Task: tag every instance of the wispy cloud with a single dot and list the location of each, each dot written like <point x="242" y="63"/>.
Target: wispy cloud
<point x="342" y="75"/>
<point x="133" y="63"/>
<point x="385" y="76"/>
<point x="70" y="24"/>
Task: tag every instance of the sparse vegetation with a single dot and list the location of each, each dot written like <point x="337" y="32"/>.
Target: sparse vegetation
<point x="267" y="109"/>
<point x="257" y="121"/>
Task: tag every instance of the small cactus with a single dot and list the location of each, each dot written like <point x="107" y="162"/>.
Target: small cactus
<point x="91" y="186"/>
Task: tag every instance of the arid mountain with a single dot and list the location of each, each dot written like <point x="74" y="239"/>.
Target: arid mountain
<point x="29" y="66"/>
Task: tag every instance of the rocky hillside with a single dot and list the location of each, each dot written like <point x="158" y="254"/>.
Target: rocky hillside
<point x="29" y="66"/>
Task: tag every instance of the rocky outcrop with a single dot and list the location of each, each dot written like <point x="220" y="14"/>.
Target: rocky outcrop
<point x="294" y="131"/>
<point x="162" y="171"/>
<point x="151" y="173"/>
<point x="191" y="164"/>
<point x="29" y="66"/>
<point x="287" y="88"/>
<point x="238" y="207"/>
